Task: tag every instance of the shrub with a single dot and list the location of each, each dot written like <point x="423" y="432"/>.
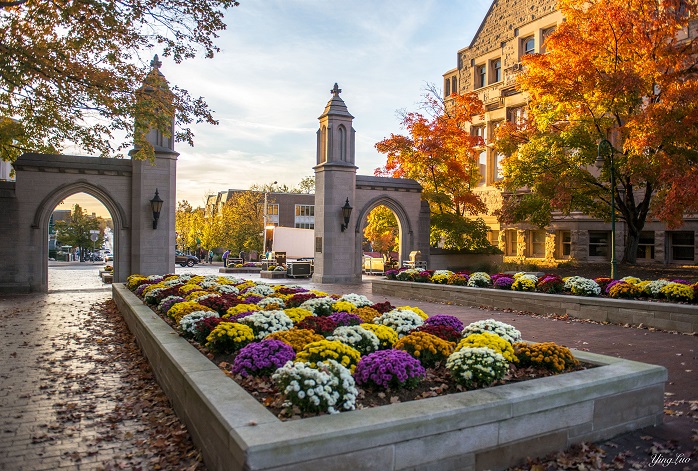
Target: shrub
<point x="188" y="322"/>
<point x="296" y="338"/>
<point x="551" y="284"/>
<point x="297" y="299"/>
<point x="506" y="331"/>
<point x="480" y="279"/>
<point x="357" y="300"/>
<point x="678" y="292"/>
<point x="328" y="388"/>
<point x="366" y="313"/>
<point x="320" y="325"/>
<point x="363" y="340"/>
<point x="180" y="310"/>
<point x="204" y="327"/>
<point x="343" y="306"/>
<point x="389" y="369"/>
<point x="228" y="337"/>
<point x="503" y="282"/>
<point x="400" y="321"/>
<point x="473" y="367"/>
<point x="491" y="341"/>
<point x="319" y="306"/>
<point x="425" y="347"/>
<point x="444" y="332"/>
<point x="523" y="284"/>
<point x="262" y="358"/>
<point x="344" y="319"/>
<point x="264" y="323"/>
<point x="441" y="276"/>
<point x="240" y="308"/>
<point x="168" y="302"/>
<point x="545" y="355"/>
<point x="458" y="279"/>
<point x="297" y="314"/>
<point x="386" y="335"/>
<point x="383" y="307"/>
<point x="624" y="290"/>
<point x="445" y="320"/>
<point x="322" y="350"/>
<point x="580" y="286"/>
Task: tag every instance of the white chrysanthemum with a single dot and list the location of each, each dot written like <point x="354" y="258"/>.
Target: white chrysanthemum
<point x="479" y="279"/>
<point x="266" y="322"/>
<point x="188" y="322"/>
<point x="357" y="337"/>
<point x="261" y="290"/>
<point x="318" y="305"/>
<point x="269" y="301"/>
<point x="357" y="300"/>
<point x="402" y="321"/>
<point x="508" y="332"/>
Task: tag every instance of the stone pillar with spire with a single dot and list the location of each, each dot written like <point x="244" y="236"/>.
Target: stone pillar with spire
<point x="335" y="185"/>
<point x="153" y="249"/>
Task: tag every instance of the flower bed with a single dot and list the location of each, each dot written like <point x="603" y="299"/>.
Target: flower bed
<point x="339" y="353"/>
<point x="481" y="429"/>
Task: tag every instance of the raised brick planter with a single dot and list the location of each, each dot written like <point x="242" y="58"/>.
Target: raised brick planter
<point x="666" y="316"/>
<point x="485" y="429"/>
<point x="240" y="270"/>
<point x="272" y="274"/>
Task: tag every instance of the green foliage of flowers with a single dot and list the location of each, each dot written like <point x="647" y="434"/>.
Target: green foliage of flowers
<point x="386" y="335"/>
<point x="328" y="387"/>
<point x="546" y="355"/>
<point x="653" y="288"/>
<point x="228" y="337"/>
<point x="523" y="284"/>
<point x="491" y="341"/>
<point x="322" y="350"/>
<point x="180" y="310"/>
<point x="296" y="338"/>
<point x="427" y="348"/>
<point x="678" y="292"/>
<point x="477" y="367"/>
<point x="624" y="291"/>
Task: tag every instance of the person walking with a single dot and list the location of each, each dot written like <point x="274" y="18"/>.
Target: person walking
<point x="225" y="258"/>
<point x="210" y="256"/>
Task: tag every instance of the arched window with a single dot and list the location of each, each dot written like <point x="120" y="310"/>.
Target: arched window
<point x="342" y="143"/>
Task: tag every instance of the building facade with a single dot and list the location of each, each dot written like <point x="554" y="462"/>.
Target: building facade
<point x="283" y="209"/>
<point x="489" y="66"/>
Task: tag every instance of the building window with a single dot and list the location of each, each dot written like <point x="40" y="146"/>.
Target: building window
<point x="496" y="71"/>
<point x="564" y="244"/>
<point x="498" y="170"/>
<point x="454" y="84"/>
<point x="480" y="76"/>
<point x="482" y="166"/>
<point x="528" y="45"/>
<point x="479" y="131"/>
<point x="599" y="243"/>
<point x="537" y="244"/>
<point x="517" y="115"/>
<point x="510" y="242"/>
<point x="682" y="245"/>
<point x="447" y="88"/>
<point x="305" y="216"/>
<point x="645" y="246"/>
<point x="273" y="214"/>
<point x="493" y="238"/>
<point x="543" y="36"/>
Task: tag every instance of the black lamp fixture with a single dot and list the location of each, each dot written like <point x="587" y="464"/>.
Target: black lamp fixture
<point x="156" y="206"/>
<point x="346" y="214"/>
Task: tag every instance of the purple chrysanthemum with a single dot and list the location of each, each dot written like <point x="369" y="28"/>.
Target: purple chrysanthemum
<point x="345" y="319"/>
<point x="262" y="358"/>
<point x="389" y="368"/>
<point x="445" y="319"/>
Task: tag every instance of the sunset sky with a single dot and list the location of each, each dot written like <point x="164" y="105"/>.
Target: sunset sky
<point x="278" y="61"/>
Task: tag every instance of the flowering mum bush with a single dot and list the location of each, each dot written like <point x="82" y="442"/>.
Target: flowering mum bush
<point x="523" y="284"/>
<point x="329" y="387"/>
<point x="477" y="367"/>
<point x="458" y="279"/>
<point x="479" y="279"/>
<point x="296" y="338"/>
<point x="401" y="321"/>
<point x="389" y="369"/>
<point x="317" y="352"/>
<point x="179" y="310"/>
<point x="343" y="306"/>
<point x="271" y="303"/>
<point x="366" y="313"/>
<point x="204" y="327"/>
<point x="262" y="358"/>
<point x="581" y="286"/>
<point x="386" y="335"/>
<point x="416" y="310"/>
<point x="363" y="340"/>
<point x="319" y="306"/>
<point x="220" y="303"/>
<point x="297" y="314"/>
<point x="357" y="300"/>
<point x="344" y="319"/>
<point x="546" y="355"/>
<point x="320" y="325"/>
<point x="240" y="308"/>
<point x="261" y="290"/>
<point x="550" y="284"/>
<point x="491" y="341"/>
<point x="441" y="276"/>
<point x="445" y="320"/>
<point x="444" y="332"/>
<point x="414" y="274"/>
<point x="188" y="322"/>
<point x="678" y="292"/>
<point x="427" y="348"/>
<point x="168" y="302"/>
<point x="383" y="307"/>
<point x="228" y="337"/>
<point x="502" y="282"/>
<point x="624" y="290"/>
<point x="654" y="288"/>
<point x="299" y="298"/>
<point x="506" y="331"/>
<point x="264" y="323"/>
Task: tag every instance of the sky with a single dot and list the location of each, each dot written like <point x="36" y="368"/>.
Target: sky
<point x="279" y="59"/>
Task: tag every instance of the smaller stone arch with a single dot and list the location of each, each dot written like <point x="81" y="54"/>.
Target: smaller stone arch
<point x="406" y="232"/>
<point x="119" y="217"/>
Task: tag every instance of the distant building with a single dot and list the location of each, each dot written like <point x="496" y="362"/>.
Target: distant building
<point x="283" y="209"/>
<point x="489" y="66"/>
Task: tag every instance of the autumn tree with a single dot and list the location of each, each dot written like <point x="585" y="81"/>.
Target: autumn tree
<point x="241" y="220"/>
<point x="440" y="154"/>
<point x="185" y="226"/>
<point x="76" y="231"/>
<point x="72" y="71"/>
<point x="619" y="70"/>
<point x="382" y="230"/>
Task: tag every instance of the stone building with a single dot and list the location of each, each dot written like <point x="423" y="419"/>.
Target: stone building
<point x="283" y="209"/>
<point x="489" y="66"/>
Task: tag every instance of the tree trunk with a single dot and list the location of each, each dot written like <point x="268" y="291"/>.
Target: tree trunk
<point x="635" y="216"/>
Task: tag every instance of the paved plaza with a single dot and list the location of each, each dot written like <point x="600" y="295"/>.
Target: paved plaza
<point x="70" y="380"/>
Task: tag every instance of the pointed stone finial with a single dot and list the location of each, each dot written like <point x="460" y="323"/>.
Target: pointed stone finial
<point x="156" y="64"/>
<point x="336" y="90"/>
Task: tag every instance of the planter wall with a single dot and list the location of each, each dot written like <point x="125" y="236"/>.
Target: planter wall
<point x="485" y="429"/>
<point x="666" y="316"/>
<point x="444" y="260"/>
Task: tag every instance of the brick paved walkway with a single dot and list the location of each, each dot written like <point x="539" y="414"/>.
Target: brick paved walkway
<point x="57" y="391"/>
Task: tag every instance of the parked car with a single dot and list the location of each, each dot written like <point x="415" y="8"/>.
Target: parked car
<point x="108" y="257"/>
<point x="185" y="260"/>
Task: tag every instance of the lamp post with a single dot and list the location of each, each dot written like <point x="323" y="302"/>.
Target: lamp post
<point x="264" y="229"/>
<point x="599" y="163"/>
